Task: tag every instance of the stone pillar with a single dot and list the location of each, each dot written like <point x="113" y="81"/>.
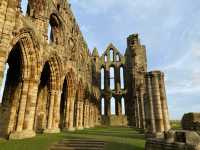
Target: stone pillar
<point x="56" y="112"/>
<point x="51" y="97"/>
<point x="80" y="125"/>
<point x="117" y="78"/>
<point x="118" y="106"/>
<point x="107" y="106"/>
<point x="150" y="119"/>
<point x="91" y="115"/>
<point x="85" y="118"/>
<point x="164" y="103"/>
<point x="77" y="113"/>
<point x="20" y="132"/>
<point x="137" y="112"/>
<point x="88" y="115"/>
<point x="31" y="107"/>
<point x="71" y="114"/>
<point x="141" y="103"/>
<point x="157" y="102"/>
<point x="22" y="105"/>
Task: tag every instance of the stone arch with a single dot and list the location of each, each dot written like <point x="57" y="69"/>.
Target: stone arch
<point x="48" y="97"/>
<point x="22" y="59"/>
<point x="67" y="100"/>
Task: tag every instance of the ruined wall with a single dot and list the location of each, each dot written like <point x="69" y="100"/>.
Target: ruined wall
<point x="54" y="74"/>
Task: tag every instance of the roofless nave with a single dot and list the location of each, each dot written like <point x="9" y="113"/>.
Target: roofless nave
<point x="55" y="83"/>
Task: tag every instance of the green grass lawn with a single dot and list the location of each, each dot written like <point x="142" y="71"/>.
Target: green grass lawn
<point x="176" y="125"/>
<point x="116" y="139"/>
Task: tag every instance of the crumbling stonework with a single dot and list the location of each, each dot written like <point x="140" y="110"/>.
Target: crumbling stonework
<point x="53" y="81"/>
<point x="175" y="140"/>
<point x="191" y="121"/>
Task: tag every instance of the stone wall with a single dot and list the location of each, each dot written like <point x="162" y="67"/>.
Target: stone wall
<point x="49" y="81"/>
<point x="175" y="140"/>
<point x="191" y="121"/>
<point x="114" y="120"/>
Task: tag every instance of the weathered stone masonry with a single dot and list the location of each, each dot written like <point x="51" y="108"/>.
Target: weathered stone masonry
<point x="53" y="82"/>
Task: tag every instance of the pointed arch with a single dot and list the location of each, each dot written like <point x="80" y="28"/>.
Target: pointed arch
<point x="23" y="59"/>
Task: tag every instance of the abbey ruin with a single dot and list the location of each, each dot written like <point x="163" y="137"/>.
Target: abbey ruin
<point x="55" y="83"/>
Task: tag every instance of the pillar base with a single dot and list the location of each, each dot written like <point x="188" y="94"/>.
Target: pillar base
<point x="52" y="130"/>
<point x="87" y="127"/>
<point x="71" y="129"/>
<point x="79" y="128"/>
<point x="22" y="135"/>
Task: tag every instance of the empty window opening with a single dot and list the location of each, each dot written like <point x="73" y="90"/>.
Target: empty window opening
<point x="49" y="33"/>
<point x="24" y="6"/>
<point x="111" y="55"/>
<point x="105" y="58"/>
<point x="102" y="78"/>
<point x="54" y="29"/>
<point x="122" y="77"/>
<point x="3" y="81"/>
<point x="123" y="106"/>
<point x="117" y="57"/>
<point x="113" y="112"/>
<point x="102" y="106"/>
<point x="112" y="78"/>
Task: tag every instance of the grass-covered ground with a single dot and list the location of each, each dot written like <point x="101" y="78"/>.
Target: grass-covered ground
<point x="116" y="139"/>
<point x="176" y="125"/>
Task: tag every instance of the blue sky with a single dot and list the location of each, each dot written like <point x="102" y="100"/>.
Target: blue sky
<point x="170" y="29"/>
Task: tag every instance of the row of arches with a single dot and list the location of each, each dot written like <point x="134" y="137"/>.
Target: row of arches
<point x="113" y="77"/>
<point x="37" y="97"/>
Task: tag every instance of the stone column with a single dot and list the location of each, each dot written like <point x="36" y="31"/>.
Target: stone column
<point x="88" y="115"/>
<point x="51" y="97"/>
<point x="157" y="102"/>
<point x="56" y="112"/>
<point x="91" y="115"/>
<point x="85" y="114"/>
<point x="22" y="105"/>
<point x="107" y="107"/>
<point x="117" y="78"/>
<point x="164" y="103"/>
<point x="30" y="108"/>
<point x="118" y="105"/>
<point x="141" y="103"/>
<point x="71" y="114"/>
<point x="137" y="110"/>
<point x="150" y="119"/>
<point x="20" y="133"/>
<point x="80" y="125"/>
<point x="77" y="114"/>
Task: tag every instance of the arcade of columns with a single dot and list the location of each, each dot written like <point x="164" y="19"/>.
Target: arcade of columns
<point x="52" y="81"/>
